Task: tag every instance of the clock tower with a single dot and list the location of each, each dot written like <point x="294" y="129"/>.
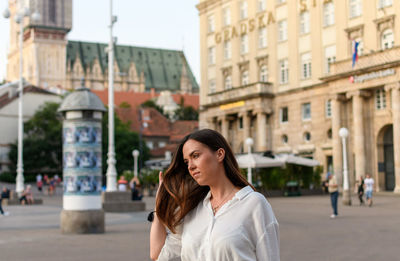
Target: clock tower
<point x="45" y="41"/>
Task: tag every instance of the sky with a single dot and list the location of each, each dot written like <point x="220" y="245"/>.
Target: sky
<point x="172" y="24"/>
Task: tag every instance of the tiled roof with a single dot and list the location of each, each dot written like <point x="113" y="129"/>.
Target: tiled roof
<point x="162" y="68"/>
<point x="156" y="124"/>
<point x="135" y="99"/>
<point x="5" y="99"/>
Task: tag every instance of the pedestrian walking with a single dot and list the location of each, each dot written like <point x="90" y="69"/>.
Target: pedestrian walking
<point x="213" y="213"/>
<point x="4" y="194"/>
<point x="360" y="190"/>
<point x="39" y="182"/>
<point x="334" y="193"/>
<point x="369" y="188"/>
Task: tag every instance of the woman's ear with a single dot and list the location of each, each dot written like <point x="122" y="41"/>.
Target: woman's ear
<point x="220" y="155"/>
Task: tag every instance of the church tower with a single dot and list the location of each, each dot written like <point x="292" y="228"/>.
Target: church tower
<point x="45" y="41"/>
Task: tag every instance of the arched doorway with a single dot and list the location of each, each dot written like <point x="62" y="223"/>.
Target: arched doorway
<point x="388" y="156"/>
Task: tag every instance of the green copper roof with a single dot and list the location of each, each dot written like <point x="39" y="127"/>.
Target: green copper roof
<point x="162" y="68"/>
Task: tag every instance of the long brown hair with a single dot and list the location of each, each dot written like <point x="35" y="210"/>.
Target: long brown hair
<point x="179" y="192"/>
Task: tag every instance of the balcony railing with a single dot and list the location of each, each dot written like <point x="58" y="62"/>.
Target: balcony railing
<point x="386" y="58"/>
<point x="258" y="89"/>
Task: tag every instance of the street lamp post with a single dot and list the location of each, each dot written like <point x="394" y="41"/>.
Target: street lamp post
<point x="22" y="12"/>
<point x="135" y="154"/>
<point x="111" y="169"/>
<point x="249" y="143"/>
<point x="344" y="133"/>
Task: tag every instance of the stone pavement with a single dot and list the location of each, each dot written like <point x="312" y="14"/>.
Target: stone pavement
<point x="307" y="232"/>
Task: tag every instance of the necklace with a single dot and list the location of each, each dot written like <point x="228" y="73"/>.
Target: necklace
<point x="214" y="209"/>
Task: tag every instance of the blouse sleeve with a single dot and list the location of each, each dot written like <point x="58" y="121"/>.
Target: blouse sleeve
<point x="267" y="248"/>
<point x="171" y="250"/>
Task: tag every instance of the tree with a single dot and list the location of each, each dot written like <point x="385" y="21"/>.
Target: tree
<point x="42" y="150"/>
<point x="43" y="144"/>
<point x="186" y="113"/>
<point x="125" y="142"/>
<point x="151" y="104"/>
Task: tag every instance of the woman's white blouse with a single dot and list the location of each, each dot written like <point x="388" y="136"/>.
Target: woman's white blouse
<point x="245" y="228"/>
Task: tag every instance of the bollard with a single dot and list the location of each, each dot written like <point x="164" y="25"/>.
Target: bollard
<point x="82" y="206"/>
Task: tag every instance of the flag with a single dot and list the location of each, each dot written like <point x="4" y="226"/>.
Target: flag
<point x="355" y="53"/>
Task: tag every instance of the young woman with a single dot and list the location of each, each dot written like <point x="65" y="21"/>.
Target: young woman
<point x="209" y="209"/>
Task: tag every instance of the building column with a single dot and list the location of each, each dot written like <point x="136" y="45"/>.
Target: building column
<point x="395" y="88"/>
<point x="246" y="128"/>
<point x="336" y="141"/>
<point x="358" y="133"/>
<point x="261" y="141"/>
<point x="224" y="126"/>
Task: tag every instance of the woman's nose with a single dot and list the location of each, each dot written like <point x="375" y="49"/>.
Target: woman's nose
<point x="191" y="165"/>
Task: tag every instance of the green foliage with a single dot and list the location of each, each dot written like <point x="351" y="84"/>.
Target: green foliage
<point x="42" y="143"/>
<point x="125" y="142"/>
<point x="7" y="177"/>
<point x="186" y="113"/>
<point x="128" y="174"/>
<point x="125" y="105"/>
<point x="276" y="178"/>
<point x="149" y="177"/>
<point x="151" y="104"/>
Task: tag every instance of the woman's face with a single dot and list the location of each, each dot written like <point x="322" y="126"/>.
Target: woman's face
<point x="203" y="164"/>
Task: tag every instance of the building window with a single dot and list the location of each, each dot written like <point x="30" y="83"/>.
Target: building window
<point x="245" y="77"/>
<point x="243" y="9"/>
<point x="244" y="44"/>
<point x="307" y="136"/>
<point x="261" y="6"/>
<point x="211" y="24"/>
<point x="228" y="82"/>
<point x="304" y="22"/>
<point x="227" y="50"/>
<point x="282" y="31"/>
<point x="263" y="73"/>
<point x="227" y="16"/>
<point x="329" y="134"/>
<point x="285" y="139"/>
<point x="329" y="14"/>
<point x="212" y="86"/>
<point x="52" y="11"/>
<point x="162" y="144"/>
<point x="241" y="123"/>
<point x="380" y="99"/>
<point x="262" y="37"/>
<point x="384" y="3"/>
<point x="211" y="55"/>
<point x="328" y="109"/>
<point x="283" y="71"/>
<point x="355" y="8"/>
<point x="330" y="57"/>
<point x="306" y="66"/>
<point x="150" y="145"/>
<point x="284" y="114"/>
<point x="387" y="39"/>
<point x="306" y="111"/>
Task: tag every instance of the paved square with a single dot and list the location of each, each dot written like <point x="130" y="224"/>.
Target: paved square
<point x="307" y="232"/>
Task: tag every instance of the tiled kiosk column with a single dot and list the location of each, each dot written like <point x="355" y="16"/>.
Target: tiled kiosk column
<point x="82" y="206"/>
<point x="395" y="90"/>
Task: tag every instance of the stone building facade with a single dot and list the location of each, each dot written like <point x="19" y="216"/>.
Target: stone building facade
<point x="282" y="73"/>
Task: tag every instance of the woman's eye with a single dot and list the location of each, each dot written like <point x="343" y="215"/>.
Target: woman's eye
<point x="195" y="156"/>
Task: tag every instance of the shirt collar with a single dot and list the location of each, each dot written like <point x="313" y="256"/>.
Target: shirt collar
<point x="239" y="195"/>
